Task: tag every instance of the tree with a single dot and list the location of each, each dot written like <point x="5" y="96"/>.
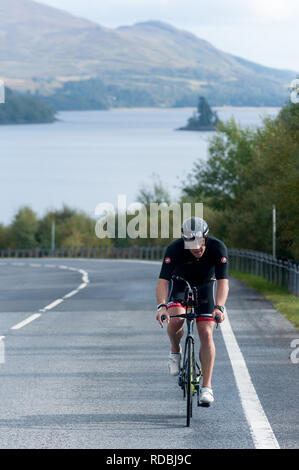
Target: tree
<point x="23" y="229"/>
<point x="19" y="109"/>
<point x="219" y="179"/>
<point x="155" y="193"/>
<point x="275" y="176"/>
<point x="248" y="171"/>
<point x="151" y="195"/>
<point x="72" y="229"/>
<point x="204" y="119"/>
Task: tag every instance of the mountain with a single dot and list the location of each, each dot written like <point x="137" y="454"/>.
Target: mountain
<point x="49" y="51"/>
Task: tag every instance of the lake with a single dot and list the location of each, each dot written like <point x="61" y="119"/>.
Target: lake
<point x="89" y="157"/>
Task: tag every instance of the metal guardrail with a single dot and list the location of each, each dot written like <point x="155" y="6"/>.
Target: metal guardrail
<point x="131" y="252"/>
<point x="281" y="272"/>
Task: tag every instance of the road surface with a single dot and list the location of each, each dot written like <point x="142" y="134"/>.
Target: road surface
<point x="85" y="364"/>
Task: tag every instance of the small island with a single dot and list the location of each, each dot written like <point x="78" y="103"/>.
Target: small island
<point x="203" y="119"/>
<point x="19" y="109"/>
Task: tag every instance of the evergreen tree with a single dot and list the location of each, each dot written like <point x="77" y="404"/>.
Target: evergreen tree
<point x="204" y="119"/>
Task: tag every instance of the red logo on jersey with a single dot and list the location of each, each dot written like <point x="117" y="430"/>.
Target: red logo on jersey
<point x="223" y="260"/>
<point x="167" y="260"/>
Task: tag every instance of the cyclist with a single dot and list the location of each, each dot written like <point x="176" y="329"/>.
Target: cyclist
<point x="201" y="260"/>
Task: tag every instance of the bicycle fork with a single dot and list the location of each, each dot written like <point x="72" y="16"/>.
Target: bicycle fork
<point x="195" y="370"/>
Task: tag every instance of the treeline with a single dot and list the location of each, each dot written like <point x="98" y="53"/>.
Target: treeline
<point x="124" y="90"/>
<point x="247" y="172"/>
<point x="75" y="228"/>
<point x="19" y="109"/>
<point x="93" y="94"/>
<point x="72" y="229"/>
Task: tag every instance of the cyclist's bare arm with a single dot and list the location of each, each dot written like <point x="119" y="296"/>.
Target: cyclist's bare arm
<point x="221" y="296"/>
<point x="162" y="294"/>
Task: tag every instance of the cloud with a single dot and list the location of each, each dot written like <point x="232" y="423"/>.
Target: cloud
<point x="119" y="11"/>
<point x="276" y="10"/>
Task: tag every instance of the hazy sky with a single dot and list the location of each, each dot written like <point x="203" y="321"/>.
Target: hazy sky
<point x="264" y="31"/>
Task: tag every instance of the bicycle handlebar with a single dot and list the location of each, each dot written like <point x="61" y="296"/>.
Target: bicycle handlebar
<point x="178" y="278"/>
<point x="184" y="315"/>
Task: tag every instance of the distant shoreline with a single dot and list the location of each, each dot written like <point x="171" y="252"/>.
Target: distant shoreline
<point x="155" y="108"/>
<point x="262" y="109"/>
<point x="42" y="123"/>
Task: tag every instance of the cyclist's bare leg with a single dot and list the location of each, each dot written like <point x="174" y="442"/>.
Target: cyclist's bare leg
<point x="175" y="328"/>
<point x="207" y="351"/>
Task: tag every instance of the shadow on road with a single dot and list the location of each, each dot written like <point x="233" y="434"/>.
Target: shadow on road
<point x="67" y="420"/>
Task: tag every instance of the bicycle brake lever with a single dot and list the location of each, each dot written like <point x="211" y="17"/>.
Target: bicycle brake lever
<point x="217" y="320"/>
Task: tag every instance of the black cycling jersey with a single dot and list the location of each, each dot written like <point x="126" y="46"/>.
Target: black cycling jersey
<point x="181" y="262"/>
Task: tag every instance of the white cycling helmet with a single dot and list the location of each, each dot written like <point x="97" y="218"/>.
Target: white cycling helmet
<point x="194" y="230"/>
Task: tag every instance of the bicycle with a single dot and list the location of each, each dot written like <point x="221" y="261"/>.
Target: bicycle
<point x="190" y="373"/>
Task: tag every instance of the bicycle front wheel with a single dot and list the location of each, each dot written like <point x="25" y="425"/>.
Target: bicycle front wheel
<point x="189" y="380"/>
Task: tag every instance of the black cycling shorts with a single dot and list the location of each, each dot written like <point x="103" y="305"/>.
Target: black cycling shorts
<point x="206" y="302"/>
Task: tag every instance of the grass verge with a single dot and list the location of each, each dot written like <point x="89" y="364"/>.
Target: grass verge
<point x="283" y="301"/>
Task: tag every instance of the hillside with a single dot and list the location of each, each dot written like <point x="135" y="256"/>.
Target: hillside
<point x="42" y="48"/>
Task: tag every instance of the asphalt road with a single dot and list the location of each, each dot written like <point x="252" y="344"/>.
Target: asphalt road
<point x="90" y="370"/>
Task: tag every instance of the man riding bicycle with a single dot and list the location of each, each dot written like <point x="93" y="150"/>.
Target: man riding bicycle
<point x="201" y="260"/>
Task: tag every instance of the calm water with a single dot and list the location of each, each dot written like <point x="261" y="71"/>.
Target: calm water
<point x="91" y="157"/>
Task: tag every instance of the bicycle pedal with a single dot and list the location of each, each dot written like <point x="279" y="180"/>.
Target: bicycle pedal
<point x="205" y="405"/>
<point x="181" y="381"/>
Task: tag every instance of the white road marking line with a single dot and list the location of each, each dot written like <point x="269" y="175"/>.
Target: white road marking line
<point x="84" y="275"/>
<point x="260" y="428"/>
<point x="25" y="322"/>
<point x="57" y="301"/>
<point x="52" y="305"/>
<point x="2" y="350"/>
<point x="82" y="286"/>
<point x="70" y="294"/>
